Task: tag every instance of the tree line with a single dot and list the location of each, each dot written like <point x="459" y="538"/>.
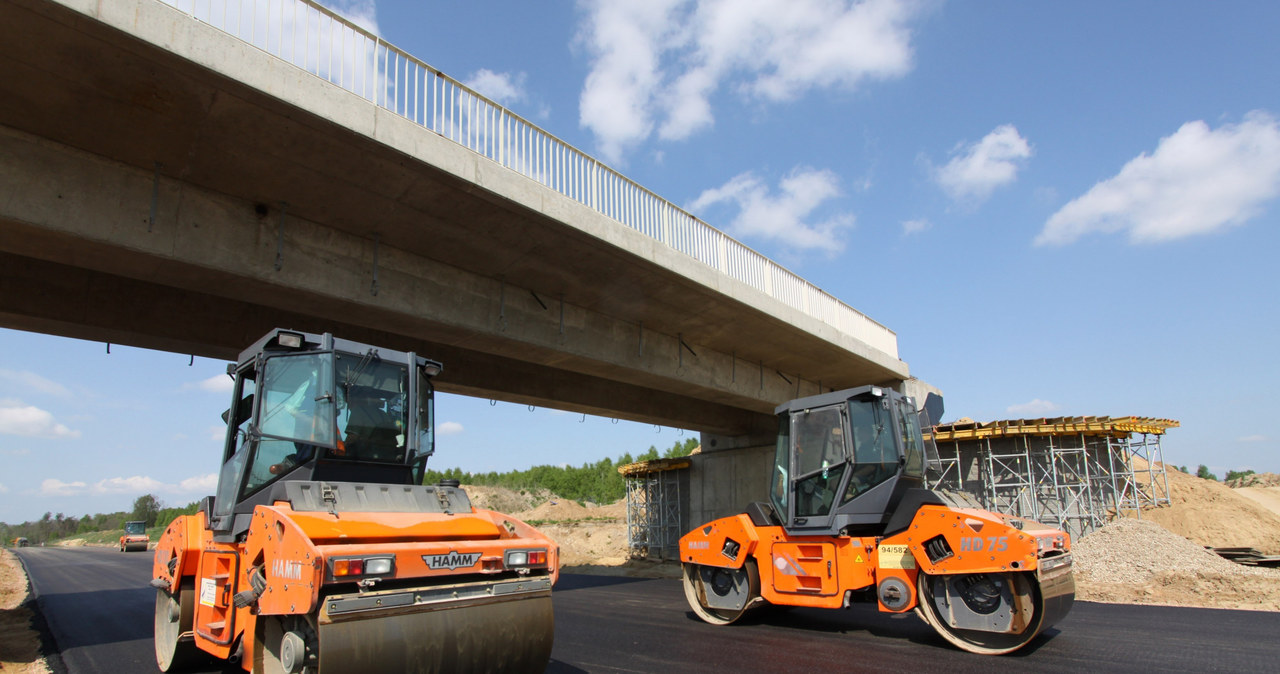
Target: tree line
<point x="51" y="527"/>
<point x="597" y="482"/>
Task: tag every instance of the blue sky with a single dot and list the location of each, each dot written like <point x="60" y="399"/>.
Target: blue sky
<point x="1059" y="209"/>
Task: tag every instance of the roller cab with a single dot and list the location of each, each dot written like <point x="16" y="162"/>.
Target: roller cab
<point x="849" y="521"/>
<point x="134" y="537"/>
<point x="322" y="551"/>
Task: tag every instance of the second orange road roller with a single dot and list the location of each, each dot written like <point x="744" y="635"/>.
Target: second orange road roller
<point x="849" y="520"/>
<point x="322" y="552"/>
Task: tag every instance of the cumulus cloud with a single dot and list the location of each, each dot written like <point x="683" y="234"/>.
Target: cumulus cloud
<point x="4" y="489"/>
<point x="30" y="421"/>
<point x="502" y="88"/>
<point x="128" y="485"/>
<point x="977" y="169"/>
<point x="53" y="487"/>
<point x="363" y="13"/>
<point x="915" y="226"/>
<point x="1035" y="408"/>
<point x="218" y="383"/>
<point x="449" y="428"/>
<point x="782" y="215"/>
<point x="1197" y="181"/>
<point x="657" y="63"/>
<point x="135" y="484"/>
<point x="30" y="381"/>
<point x="204" y="484"/>
<point x="1253" y="438"/>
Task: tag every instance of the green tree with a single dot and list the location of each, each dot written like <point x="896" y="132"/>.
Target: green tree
<point x="147" y="509"/>
<point x="1203" y="473"/>
<point x="1236" y="474"/>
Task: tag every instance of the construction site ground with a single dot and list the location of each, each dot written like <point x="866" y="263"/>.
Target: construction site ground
<point x="1160" y="558"/>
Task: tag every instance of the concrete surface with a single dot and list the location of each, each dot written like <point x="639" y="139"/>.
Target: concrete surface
<point x="153" y="170"/>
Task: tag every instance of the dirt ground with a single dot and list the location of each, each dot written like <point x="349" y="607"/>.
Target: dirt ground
<point x="1159" y="559"/>
<point x="19" y="642"/>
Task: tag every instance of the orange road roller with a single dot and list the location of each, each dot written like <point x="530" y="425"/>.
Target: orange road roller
<point x="322" y="552"/>
<point x="849" y="520"/>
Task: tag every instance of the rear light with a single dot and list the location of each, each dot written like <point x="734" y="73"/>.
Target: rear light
<point x="352" y="567"/>
<point x="526" y="558"/>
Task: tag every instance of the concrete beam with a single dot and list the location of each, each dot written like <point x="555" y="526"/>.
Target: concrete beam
<point x="106" y="104"/>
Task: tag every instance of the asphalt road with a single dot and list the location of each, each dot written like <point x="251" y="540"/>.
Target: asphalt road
<point x="98" y="607"/>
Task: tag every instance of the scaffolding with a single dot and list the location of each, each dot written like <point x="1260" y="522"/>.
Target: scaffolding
<point x="1076" y="473"/>
<point x="653" y="508"/>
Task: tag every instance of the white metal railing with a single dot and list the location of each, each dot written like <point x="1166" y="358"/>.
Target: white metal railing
<point x="327" y="45"/>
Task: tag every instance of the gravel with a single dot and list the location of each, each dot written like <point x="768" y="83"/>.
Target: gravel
<point x="1135" y="552"/>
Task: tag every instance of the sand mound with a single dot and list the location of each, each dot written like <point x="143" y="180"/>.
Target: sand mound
<point x="1256" y="480"/>
<point x="563" y="510"/>
<point x="505" y="500"/>
<point x="1267" y="497"/>
<point x="1212" y="514"/>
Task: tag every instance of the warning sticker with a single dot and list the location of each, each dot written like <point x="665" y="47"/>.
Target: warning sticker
<point x="208" y="591"/>
<point x="896" y="557"/>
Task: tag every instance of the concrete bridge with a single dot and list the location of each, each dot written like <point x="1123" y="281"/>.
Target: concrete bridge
<point x="186" y="177"/>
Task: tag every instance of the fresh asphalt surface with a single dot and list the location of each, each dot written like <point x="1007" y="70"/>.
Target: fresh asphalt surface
<point x="99" y="610"/>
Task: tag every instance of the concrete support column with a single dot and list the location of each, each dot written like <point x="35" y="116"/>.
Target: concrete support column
<point x="727" y="475"/>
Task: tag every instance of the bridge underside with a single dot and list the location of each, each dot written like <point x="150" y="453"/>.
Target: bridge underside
<point x="153" y="201"/>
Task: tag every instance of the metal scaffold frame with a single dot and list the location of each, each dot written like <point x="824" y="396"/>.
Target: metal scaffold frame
<point x="1075" y="473"/>
<point x="653" y="509"/>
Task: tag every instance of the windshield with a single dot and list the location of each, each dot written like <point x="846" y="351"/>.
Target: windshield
<point x="372" y="413"/>
<point x="875" y="456"/>
<point x="135" y="527"/>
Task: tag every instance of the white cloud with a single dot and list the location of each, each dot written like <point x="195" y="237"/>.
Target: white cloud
<point x="204" y="484"/>
<point x="27" y="420"/>
<point x="30" y="381"/>
<point x="976" y="170"/>
<point x="138" y="484"/>
<point x="1253" y="438"/>
<point x="1035" y="408"/>
<point x="915" y="226"/>
<point x="1198" y="181"/>
<point x="3" y="489"/>
<point x="52" y="487"/>
<point x="217" y="433"/>
<point x="363" y="13"/>
<point x="657" y="63"/>
<point x="218" y="383"/>
<point x="781" y="216"/>
<point x="502" y="88"/>
<point x="449" y="428"/>
<point x="15" y="452"/>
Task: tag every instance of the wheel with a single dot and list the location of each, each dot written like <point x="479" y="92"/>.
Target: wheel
<point x="175" y="643"/>
<point x="281" y="646"/>
<point x="984" y="613"/>
<point x="721" y="596"/>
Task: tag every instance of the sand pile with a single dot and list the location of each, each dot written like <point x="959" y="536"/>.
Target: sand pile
<point x="1214" y="515"/>
<point x="505" y="500"/>
<point x="1141" y="562"/>
<point x="1255" y="480"/>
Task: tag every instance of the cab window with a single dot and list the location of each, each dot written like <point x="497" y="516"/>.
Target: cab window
<point x="818" y="459"/>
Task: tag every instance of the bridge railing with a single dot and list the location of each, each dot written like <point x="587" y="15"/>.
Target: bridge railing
<point x="330" y="46"/>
